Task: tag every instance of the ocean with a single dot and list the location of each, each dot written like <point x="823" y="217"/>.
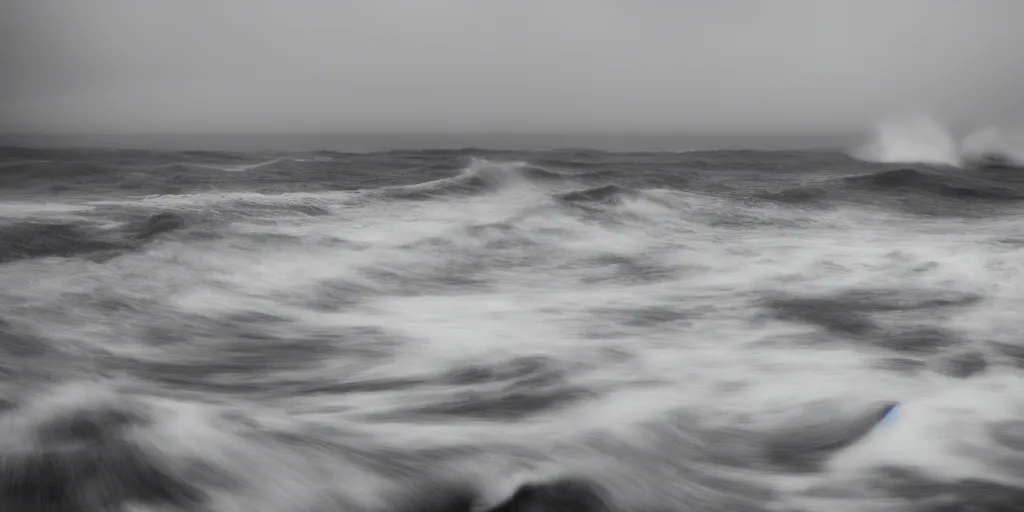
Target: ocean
<point x="538" y="327"/>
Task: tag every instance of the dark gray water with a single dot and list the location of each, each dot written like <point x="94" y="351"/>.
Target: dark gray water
<point x="546" y="330"/>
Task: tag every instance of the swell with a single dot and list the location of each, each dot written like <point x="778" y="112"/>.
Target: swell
<point x="108" y="448"/>
<point x="940" y="184"/>
<point x="923" y="185"/>
<point x="606" y="194"/>
<point x="414" y="175"/>
<point x="34" y="239"/>
<point x="395" y="174"/>
<point x="102" y="447"/>
<point x="480" y="176"/>
<point x="123" y="156"/>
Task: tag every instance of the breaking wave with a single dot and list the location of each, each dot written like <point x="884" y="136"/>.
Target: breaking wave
<point x="994" y="147"/>
<point x="479" y="176"/>
<point x="918" y="140"/>
<point x="926" y="141"/>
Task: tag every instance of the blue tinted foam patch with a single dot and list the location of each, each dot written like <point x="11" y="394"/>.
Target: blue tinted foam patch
<point x="890" y="416"/>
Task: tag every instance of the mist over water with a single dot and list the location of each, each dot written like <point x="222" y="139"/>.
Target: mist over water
<point x="915" y="140"/>
<point x="924" y="140"/>
<point x="1008" y="145"/>
<point x="437" y="330"/>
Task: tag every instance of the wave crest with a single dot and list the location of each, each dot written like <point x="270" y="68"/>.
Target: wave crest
<point x="479" y="176"/>
<point x="917" y="189"/>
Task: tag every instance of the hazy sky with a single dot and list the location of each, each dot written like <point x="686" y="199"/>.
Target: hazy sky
<point x="504" y="65"/>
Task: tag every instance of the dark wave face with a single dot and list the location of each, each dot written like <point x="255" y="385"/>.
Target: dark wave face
<point x="481" y="330"/>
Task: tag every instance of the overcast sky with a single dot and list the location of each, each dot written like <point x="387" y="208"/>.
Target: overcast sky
<point x="505" y="65"/>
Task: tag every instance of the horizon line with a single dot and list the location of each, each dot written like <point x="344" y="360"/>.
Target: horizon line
<point x="428" y="133"/>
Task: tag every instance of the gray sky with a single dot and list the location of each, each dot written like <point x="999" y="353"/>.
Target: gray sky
<point x="505" y="65"/>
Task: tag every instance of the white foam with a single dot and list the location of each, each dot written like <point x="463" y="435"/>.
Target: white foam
<point x="549" y="285"/>
<point x="995" y="142"/>
<point x="23" y="209"/>
<point x="911" y="140"/>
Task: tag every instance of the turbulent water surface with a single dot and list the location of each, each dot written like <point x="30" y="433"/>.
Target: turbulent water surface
<point x="469" y="329"/>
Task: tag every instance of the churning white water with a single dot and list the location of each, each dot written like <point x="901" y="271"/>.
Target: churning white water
<point x="680" y="348"/>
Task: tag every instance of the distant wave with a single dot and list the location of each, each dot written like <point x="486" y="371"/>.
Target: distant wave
<point x="904" y="182"/>
<point x="239" y="167"/>
<point x="587" y="182"/>
<point x="481" y="175"/>
<point x="125" y="156"/>
<point x="930" y="182"/>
